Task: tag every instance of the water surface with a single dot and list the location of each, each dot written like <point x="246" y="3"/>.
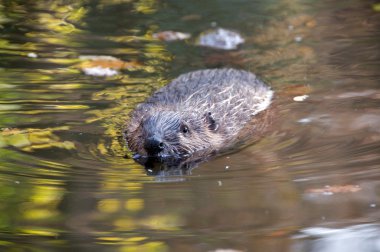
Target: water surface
<point x="311" y="184"/>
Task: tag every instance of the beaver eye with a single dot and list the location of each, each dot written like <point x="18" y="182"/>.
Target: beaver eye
<point x="184" y="129"/>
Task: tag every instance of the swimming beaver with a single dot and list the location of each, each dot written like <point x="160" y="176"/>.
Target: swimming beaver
<point x="198" y="113"/>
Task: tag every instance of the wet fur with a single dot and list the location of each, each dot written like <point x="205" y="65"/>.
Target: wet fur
<point x="214" y="104"/>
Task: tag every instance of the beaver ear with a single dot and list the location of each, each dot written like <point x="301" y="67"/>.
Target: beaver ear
<point x="212" y="124"/>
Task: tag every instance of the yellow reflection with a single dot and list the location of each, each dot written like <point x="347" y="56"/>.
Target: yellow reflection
<point x="110" y="239"/>
<point x="46" y="195"/>
<point x="57" y="25"/>
<point x="109" y="205"/>
<point x="112" y="2"/>
<point x="31" y="139"/>
<point x="63" y="61"/>
<point x="39" y="214"/>
<point x="7" y="107"/>
<point x="163" y="222"/>
<point x="18" y="140"/>
<point x="58" y="39"/>
<point x="63" y="145"/>
<point x="111" y="185"/>
<point x="75" y="107"/>
<point x="125" y="224"/>
<point x="39" y="232"/>
<point x="66" y="86"/>
<point x="102" y="148"/>
<point x="134" y="205"/>
<point x="156" y="246"/>
<point x="146" y="6"/>
<point x="136" y="239"/>
<point x="133" y="186"/>
<point x="6" y="243"/>
<point x="376" y="7"/>
<point x="42" y="203"/>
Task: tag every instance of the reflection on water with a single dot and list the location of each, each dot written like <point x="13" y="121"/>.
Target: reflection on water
<point x="309" y="185"/>
<point x="363" y="237"/>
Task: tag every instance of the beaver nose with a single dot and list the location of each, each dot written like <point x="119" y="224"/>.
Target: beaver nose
<point x="153" y="145"/>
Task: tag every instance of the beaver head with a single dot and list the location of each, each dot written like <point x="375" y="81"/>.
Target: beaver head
<point x="166" y="134"/>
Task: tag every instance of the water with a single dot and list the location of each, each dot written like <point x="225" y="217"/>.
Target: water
<point x="312" y="184"/>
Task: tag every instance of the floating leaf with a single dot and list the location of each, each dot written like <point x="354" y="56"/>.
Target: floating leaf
<point x="105" y="65"/>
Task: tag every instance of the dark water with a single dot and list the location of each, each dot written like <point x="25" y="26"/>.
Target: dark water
<point x="312" y="184"/>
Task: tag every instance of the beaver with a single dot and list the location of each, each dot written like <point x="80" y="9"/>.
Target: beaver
<point x="199" y="113"/>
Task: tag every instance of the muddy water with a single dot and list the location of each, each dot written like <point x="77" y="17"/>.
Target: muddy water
<point x="311" y="184"/>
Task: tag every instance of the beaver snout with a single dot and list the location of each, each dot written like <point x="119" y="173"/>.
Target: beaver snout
<point x="153" y="145"/>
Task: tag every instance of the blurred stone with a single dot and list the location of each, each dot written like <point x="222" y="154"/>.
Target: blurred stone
<point x="220" y="39"/>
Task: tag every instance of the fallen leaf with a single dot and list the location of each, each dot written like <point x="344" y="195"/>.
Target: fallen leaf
<point x="105" y="65"/>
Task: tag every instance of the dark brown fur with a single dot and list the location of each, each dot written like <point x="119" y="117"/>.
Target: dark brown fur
<point x="200" y="113"/>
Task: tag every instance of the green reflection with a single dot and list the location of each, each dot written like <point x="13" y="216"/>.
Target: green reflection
<point x="43" y="104"/>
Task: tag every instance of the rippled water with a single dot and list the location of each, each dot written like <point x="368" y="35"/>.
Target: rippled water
<point x="311" y="184"/>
